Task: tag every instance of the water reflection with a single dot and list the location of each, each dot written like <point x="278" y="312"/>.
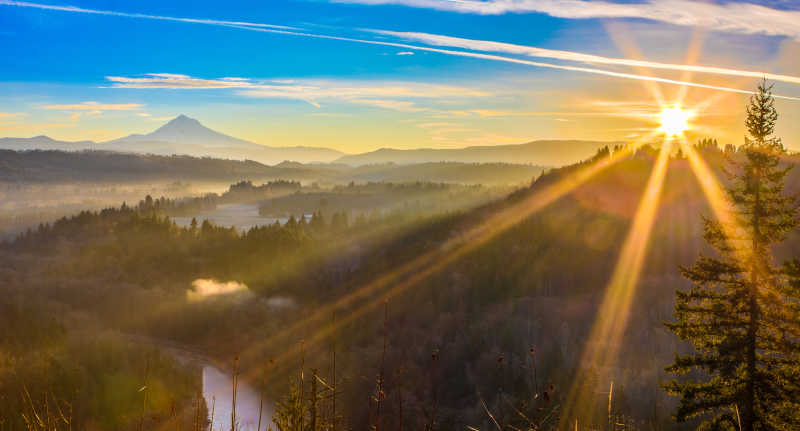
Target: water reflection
<point x="218" y="389"/>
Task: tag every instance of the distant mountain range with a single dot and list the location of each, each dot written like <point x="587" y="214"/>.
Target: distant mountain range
<point x="542" y="153"/>
<point x="183" y="136"/>
<point x="187" y="136"/>
<point x="104" y="167"/>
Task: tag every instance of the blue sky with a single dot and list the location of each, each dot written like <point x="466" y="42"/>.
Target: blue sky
<point x="362" y="74"/>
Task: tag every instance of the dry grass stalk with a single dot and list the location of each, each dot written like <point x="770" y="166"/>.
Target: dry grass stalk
<point x="235" y="384"/>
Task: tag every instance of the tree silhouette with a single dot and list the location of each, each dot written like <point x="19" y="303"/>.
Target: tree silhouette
<point x="735" y="314"/>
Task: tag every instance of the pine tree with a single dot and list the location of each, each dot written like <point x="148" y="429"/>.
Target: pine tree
<point x="291" y="410"/>
<point x="735" y="314"/>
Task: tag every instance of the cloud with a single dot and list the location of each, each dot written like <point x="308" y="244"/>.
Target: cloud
<point x="175" y="81"/>
<point x="399" y="96"/>
<point x="94" y="107"/>
<point x="436" y="125"/>
<point x="138" y="15"/>
<point x="538" y="64"/>
<point x="536" y="52"/>
<point x="735" y="17"/>
<point x="601" y="113"/>
<point x="7" y="118"/>
<point x="142" y="114"/>
<point x="405" y="53"/>
<point x="396" y="105"/>
<point x="501" y="6"/>
<point x="32" y="127"/>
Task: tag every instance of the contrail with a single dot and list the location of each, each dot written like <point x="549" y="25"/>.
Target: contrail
<point x="532" y="51"/>
<point x="511" y="60"/>
<point x="269" y="28"/>
<point x="137" y="15"/>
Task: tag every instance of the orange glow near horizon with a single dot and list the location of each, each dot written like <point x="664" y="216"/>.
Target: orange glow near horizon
<point x="603" y="344"/>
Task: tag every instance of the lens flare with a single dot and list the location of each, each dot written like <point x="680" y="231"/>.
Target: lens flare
<point x="674" y="120"/>
<point x="612" y="316"/>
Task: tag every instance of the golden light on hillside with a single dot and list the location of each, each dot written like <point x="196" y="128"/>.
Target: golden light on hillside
<point x="674" y="120"/>
<point x="607" y="333"/>
<point x="612" y="316"/>
<point x="373" y="294"/>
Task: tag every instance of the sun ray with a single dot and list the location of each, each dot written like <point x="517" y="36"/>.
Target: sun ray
<point x="692" y="55"/>
<point x="611" y="322"/>
<point x="718" y="200"/>
<point x="373" y="294"/>
<point x="623" y="41"/>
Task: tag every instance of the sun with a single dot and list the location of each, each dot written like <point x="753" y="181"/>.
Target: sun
<point x="674" y="120"/>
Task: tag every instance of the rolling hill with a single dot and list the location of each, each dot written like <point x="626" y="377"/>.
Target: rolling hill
<point x="543" y="153"/>
<point x="54" y="166"/>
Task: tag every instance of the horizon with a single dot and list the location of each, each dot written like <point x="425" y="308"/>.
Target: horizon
<point x="396" y="74"/>
<point x="188" y="117"/>
<point x="320" y="215"/>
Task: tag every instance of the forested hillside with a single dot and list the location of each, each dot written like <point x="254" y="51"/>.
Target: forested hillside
<point x="38" y="166"/>
<point x="477" y="310"/>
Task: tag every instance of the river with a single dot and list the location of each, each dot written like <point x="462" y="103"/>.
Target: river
<point x="217" y="391"/>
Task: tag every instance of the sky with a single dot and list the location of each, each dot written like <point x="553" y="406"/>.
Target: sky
<point x="358" y="75"/>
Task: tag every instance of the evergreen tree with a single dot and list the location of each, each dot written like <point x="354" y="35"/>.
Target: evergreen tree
<point x="291" y="411"/>
<point x="736" y="312"/>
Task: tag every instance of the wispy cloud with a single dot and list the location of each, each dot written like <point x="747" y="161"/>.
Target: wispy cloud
<point x="538" y="64"/>
<point x="94" y="107"/>
<point x="400" y="96"/>
<point x="736" y="17"/>
<point x="149" y="117"/>
<point x="536" y="52"/>
<point x="488" y="113"/>
<point x="587" y="8"/>
<point x="32" y="127"/>
<point x="161" y="119"/>
<point x="405" y="53"/>
<point x="336" y="89"/>
<point x="76" y="9"/>
<point x="10" y="115"/>
<point x="434" y="125"/>
<point x="396" y="105"/>
<point x="176" y="81"/>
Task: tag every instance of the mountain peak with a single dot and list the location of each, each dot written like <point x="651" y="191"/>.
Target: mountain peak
<point x="184" y="128"/>
<point x="184" y="121"/>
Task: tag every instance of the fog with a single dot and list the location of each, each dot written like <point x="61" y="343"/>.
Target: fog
<point x="204" y="288"/>
<point x="26" y="205"/>
<point x="241" y="216"/>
